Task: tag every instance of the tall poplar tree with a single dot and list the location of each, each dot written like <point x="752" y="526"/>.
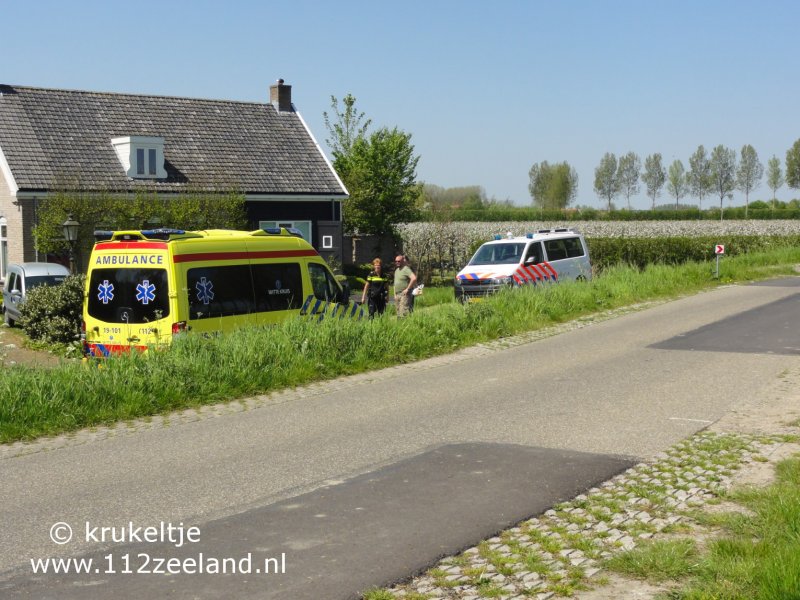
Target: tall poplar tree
<point x="606" y="182"/>
<point x="699" y="175"/>
<point x="774" y="176"/>
<point x="723" y="173"/>
<point x="677" y="183"/>
<point x="628" y="175"/>
<point x="793" y="166"/>
<point x="749" y="174"/>
<point x="654" y="176"/>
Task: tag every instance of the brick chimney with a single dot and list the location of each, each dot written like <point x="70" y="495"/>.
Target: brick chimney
<point x="280" y="96"/>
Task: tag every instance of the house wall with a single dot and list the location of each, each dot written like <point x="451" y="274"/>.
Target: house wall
<point x="293" y="210"/>
<point x="14" y="220"/>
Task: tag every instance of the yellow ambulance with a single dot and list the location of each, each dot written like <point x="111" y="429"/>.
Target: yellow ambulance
<point x="144" y="287"/>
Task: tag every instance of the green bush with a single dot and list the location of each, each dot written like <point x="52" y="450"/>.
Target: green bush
<point x="640" y="252"/>
<point x="53" y="314"/>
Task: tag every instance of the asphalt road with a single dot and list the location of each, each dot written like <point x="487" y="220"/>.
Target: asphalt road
<point x="356" y="484"/>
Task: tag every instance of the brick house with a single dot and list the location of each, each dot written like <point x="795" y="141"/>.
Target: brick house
<point x="126" y="142"/>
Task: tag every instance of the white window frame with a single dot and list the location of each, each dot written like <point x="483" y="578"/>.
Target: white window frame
<point x="288" y="223"/>
<point x="128" y="148"/>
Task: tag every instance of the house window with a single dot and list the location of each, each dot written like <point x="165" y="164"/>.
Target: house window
<point x="304" y="227"/>
<point x="142" y="157"/>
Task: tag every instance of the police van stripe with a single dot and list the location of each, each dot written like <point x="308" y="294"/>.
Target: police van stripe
<point x="531" y="273"/>
<point x="549" y="267"/>
<point x="543" y="275"/>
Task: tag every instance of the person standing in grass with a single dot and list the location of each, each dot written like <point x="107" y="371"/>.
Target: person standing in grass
<point x="376" y="289"/>
<point x="404" y="280"/>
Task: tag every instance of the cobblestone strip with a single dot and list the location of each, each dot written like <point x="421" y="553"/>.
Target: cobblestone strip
<point x="561" y="551"/>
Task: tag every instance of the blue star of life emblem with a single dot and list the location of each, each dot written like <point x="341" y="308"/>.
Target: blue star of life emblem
<point x="105" y="292"/>
<point x="145" y="292"/>
<point x="205" y="292"/>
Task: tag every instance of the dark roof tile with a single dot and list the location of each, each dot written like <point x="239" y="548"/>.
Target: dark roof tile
<point x="48" y="135"/>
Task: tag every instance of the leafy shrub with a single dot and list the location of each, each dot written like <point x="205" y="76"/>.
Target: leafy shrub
<point x="640" y="252"/>
<point x="53" y="313"/>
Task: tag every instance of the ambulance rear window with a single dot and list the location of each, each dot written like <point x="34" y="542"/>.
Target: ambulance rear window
<point x="128" y="295"/>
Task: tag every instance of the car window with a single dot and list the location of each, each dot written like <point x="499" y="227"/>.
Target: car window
<point x="12" y="281"/>
<point x="574" y="247"/>
<point x="323" y="283"/>
<point x="16" y="286"/>
<point x="534" y="252"/>
<point x="497" y="254"/>
<point x="36" y="281"/>
<point x="556" y="250"/>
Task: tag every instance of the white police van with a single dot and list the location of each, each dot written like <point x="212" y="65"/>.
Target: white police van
<point x="547" y="256"/>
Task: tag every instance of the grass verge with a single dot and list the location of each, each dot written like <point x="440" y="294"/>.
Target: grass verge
<point x="198" y="371"/>
<point x="757" y="555"/>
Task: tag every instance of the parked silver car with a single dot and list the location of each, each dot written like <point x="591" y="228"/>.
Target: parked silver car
<point x="21" y="279"/>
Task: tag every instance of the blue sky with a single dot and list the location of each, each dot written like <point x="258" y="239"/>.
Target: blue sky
<point x="485" y="89"/>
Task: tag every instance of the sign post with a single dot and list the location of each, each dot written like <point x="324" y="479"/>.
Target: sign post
<point x="719" y="250"/>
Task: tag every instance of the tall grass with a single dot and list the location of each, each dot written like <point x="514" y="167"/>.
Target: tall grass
<point x="756" y="556"/>
<point x="197" y="371"/>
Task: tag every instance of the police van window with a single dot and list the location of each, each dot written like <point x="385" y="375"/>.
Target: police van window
<point x="323" y="284"/>
<point x="277" y="286"/>
<point x="128" y="295"/>
<point x="220" y="291"/>
<point x="496" y="254"/>
<point x="556" y="250"/>
<point x="534" y="253"/>
<point x="574" y="247"/>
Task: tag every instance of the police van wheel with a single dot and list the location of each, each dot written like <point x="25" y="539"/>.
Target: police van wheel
<point x="580" y="278"/>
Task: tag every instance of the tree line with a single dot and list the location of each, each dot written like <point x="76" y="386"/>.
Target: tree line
<point x="716" y="174"/>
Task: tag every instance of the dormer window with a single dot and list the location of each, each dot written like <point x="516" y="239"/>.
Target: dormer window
<point x="141" y="156"/>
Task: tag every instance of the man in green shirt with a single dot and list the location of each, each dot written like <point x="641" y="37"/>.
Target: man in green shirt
<point x="404" y="281"/>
